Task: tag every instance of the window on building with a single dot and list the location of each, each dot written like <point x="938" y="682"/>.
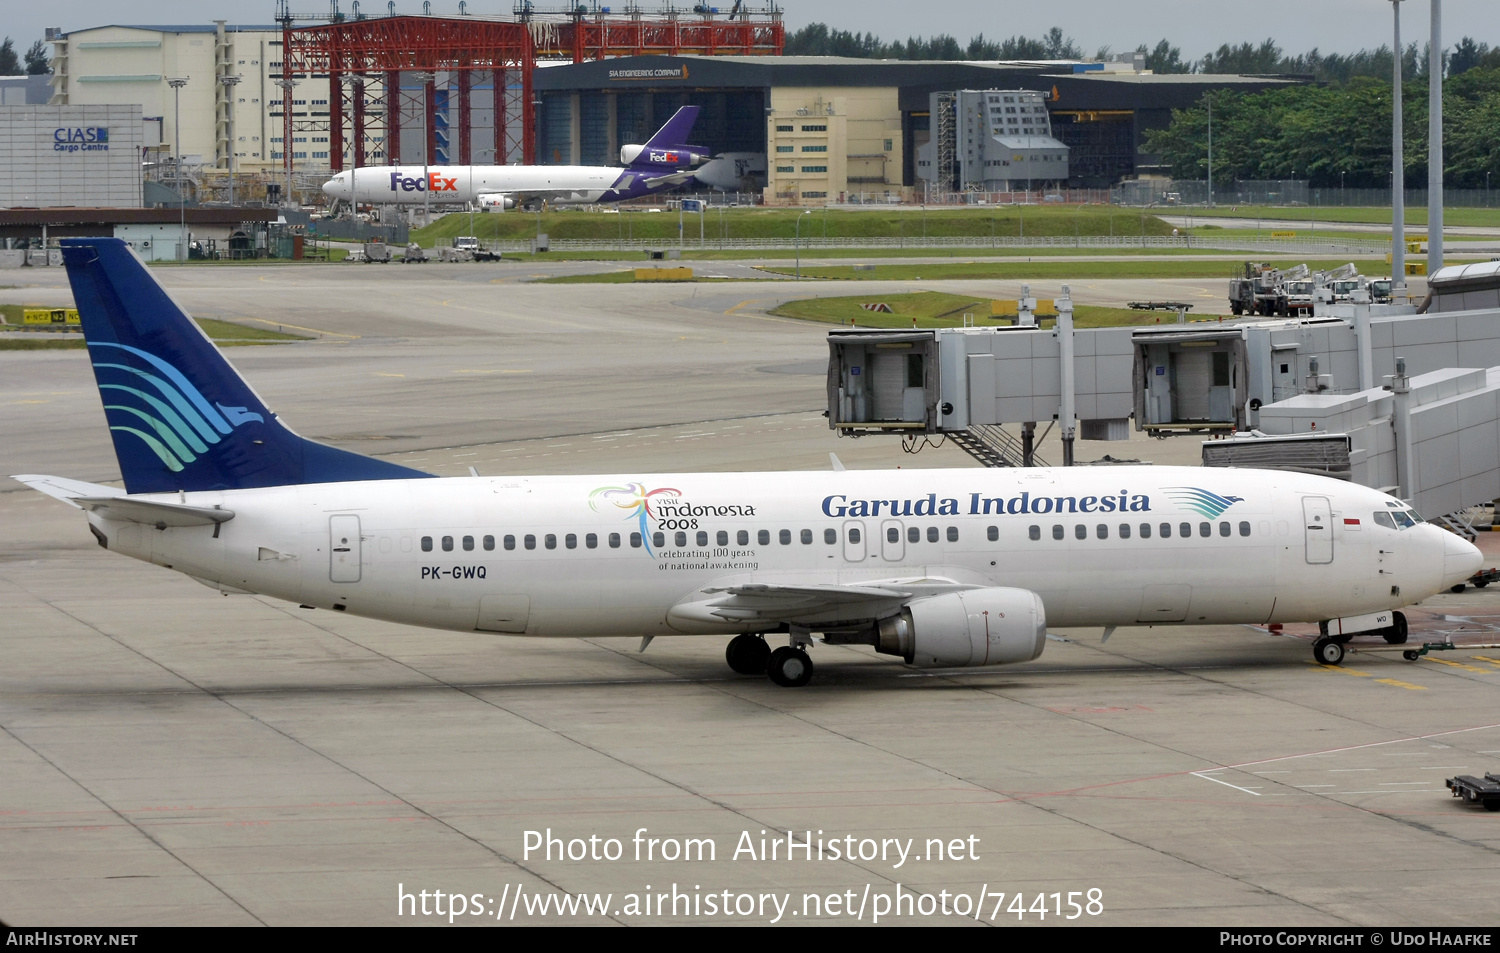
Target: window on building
<point x="814" y="149"/>
<point x="814" y="168"/>
<point x="786" y="168"/>
<point x="786" y="148"/>
<point x="785" y="128"/>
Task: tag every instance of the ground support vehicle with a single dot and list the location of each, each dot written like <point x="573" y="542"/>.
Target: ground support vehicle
<point x="1485" y="790"/>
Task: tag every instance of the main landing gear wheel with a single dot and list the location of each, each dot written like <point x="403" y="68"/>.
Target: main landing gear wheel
<point x="789" y="667"/>
<point x="747" y="654"/>
<point x="1395" y="633"/>
<point x="1328" y="651"/>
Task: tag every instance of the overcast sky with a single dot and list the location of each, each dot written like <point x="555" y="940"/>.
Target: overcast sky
<point x="1197" y="26"/>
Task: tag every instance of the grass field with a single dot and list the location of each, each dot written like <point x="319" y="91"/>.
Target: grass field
<point x="223" y="333"/>
<point x="1007" y="270"/>
<point x="1480" y="217"/>
<point x="937" y="309"/>
<point x="753" y="223"/>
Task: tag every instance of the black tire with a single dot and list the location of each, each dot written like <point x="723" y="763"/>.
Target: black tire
<point x="1328" y="651"/>
<point x="789" y="667"/>
<point x="1396" y="632"/>
<point x="1458" y="588"/>
<point x="747" y="654"/>
<point x="1481" y="583"/>
<point x="1411" y="656"/>
<point x="1492" y="804"/>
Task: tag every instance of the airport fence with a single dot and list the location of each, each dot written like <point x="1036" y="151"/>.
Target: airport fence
<point x="1167" y="193"/>
<point x="1291" y="245"/>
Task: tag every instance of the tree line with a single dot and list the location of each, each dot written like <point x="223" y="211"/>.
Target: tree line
<point x="1266" y="57"/>
<point x="35" y="57"/>
<point x="1338" y="134"/>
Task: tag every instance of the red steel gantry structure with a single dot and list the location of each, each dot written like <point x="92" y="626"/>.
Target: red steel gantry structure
<point x="356" y="53"/>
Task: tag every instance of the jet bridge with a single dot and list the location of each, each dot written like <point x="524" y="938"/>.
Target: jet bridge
<point x="969" y="384"/>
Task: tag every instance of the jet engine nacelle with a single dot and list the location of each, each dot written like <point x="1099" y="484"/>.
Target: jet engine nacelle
<point x="973" y="627"/>
<point x="672" y="157"/>
<point x="496" y="200"/>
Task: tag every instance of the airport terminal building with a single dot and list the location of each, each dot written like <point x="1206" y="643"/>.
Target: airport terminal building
<point x="834" y="126"/>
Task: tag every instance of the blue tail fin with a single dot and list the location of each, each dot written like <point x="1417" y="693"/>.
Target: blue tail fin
<point x="180" y="417"/>
<point x="672" y="139"/>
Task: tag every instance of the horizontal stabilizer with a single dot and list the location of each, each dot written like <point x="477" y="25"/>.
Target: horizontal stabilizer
<point x="153" y="513"/>
<point x="61" y="488"/>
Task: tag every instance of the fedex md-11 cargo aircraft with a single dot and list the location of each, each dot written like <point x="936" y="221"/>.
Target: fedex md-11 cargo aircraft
<point x="941" y="568"/>
<point x="664" y="162"/>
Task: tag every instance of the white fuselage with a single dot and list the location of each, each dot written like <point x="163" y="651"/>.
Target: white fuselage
<point x="1282" y="548"/>
<point x="408" y="184"/>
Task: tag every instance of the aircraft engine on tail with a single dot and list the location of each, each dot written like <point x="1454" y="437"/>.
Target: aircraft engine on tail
<point x="973" y="627"/>
<point x="676" y="158"/>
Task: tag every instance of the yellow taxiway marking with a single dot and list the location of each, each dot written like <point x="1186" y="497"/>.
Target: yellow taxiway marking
<point x="470" y="370"/>
<point x="1400" y="684"/>
<point x="1359" y="674"/>
<point x="31" y="401"/>
<point x="492" y="370"/>
<point x="382" y="374"/>
<point x="1467" y="668"/>
<point x="742" y="304"/>
<point x="1486" y="658"/>
<point x="298" y="327"/>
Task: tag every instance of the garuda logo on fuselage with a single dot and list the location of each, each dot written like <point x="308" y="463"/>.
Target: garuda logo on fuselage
<point x="177" y="422"/>
<point x="1210" y="505"/>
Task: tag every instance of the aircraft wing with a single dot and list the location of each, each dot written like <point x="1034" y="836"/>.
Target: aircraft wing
<point x="674" y="178"/>
<point x="808" y="603"/>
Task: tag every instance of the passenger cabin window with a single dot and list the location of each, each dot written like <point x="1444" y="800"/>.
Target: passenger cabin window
<point x="1124" y="530"/>
<point x="550" y="540"/>
<point x="953" y="534"/>
<point x="763" y="537"/>
<point x="1185" y="529"/>
<point x="529" y="541"/>
<point x="571" y="540"/>
<point x="635" y="540"/>
<point x="591" y="541"/>
<point x="1101" y="531"/>
<point x="992" y="534"/>
<point x="489" y="543"/>
<point x="1244" y="529"/>
<point x="658" y="539"/>
<point x="468" y="544"/>
<point x="932" y="534"/>
<point x="913" y="534"/>
<point x="679" y="539"/>
<point x="702" y="538"/>
<point x="722" y="538"/>
<point x="1166" y="530"/>
<point x="831" y="536"/>
<point x="854" y="534"/>
<point x="447" y="544"/>
<point x="1080" y="532"/>
<point x="614" y="541"/>
<point x="427" y="543"/>
<point x="742" y="538"/>
<point x="1057" y="531"/>
<point x="806" y="537"/>
<point x="1035" y="532"/>
<point x="1145" y="531"/>
<point x="893" y="534"/>
<point x="1223" y="529"/>
<point x="510" y="542"/>
<point x="1205" y="529"/>
<point x="784" y="537"/>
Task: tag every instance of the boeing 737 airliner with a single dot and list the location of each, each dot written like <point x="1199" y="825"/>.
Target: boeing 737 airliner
<point x="942" y="568"/>
<point x="664" y="162"/>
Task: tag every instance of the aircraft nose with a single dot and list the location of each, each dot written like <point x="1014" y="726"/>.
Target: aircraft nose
<point x="1461" y="559"/>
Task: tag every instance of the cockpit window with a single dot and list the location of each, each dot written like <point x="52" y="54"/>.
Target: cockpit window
<point x="1402" y="519"/>
<point x="1384" y="519"/>
<point x="1415" y="516"/>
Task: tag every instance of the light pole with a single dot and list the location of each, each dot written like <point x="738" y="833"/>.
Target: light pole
<point x="1210" y="101"/>
<point x="798" y="241"/>
<point x="229" y="83"/>
<point x="1435" y="142"/>
<point x="177" y="83"/>
<point x="287" y="83"/>
<point x="1398" y="170"/>
<point x="426" y="77"/>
